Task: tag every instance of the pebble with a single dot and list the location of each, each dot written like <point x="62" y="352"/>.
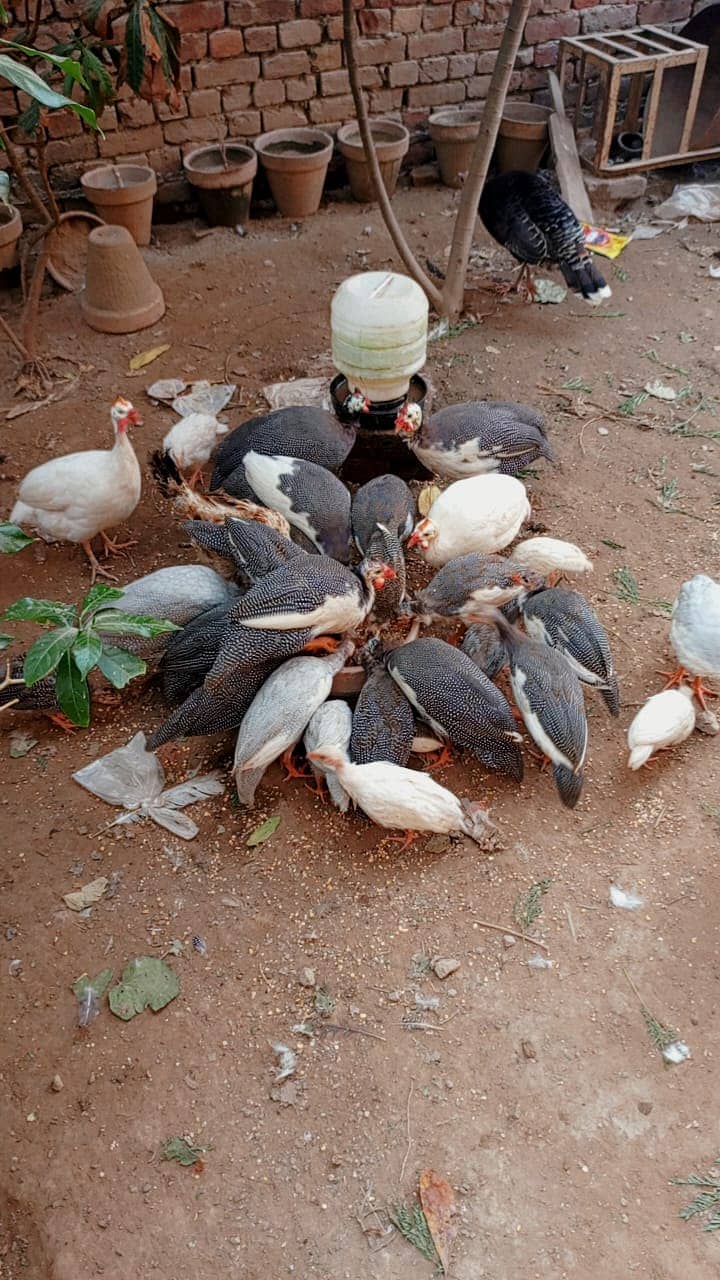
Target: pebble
<point x="15" y="968"/>
<point x="644" y="1107"/>
<point x="603" y="431"/>
<point x="306" y="977"/>
<point x="56" y="1084"/>
<point x="508" y="940"/>
<point x="528" y="1050"/>
<point x="442" y="968"/>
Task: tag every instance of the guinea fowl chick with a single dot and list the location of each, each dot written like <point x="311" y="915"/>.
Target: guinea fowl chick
<point x="482" y="643"/>
<point x="383" y="723"/>
<point x="191" y="441"/>
<point x="552" y="555"/>
<point x="452" y="695"/>
<point x="386" y="500"/>
<point x="550" y="699"/>
<point x="565" y="621"/>
<point x="476" y="437"/>
<point x="279" y="713"/>
<point x="188" y="503"/>
<point x="247" y="548"/>
<point x="310" y="497"/>
<point x="665" y="720"/>
<point x="467" y="581"/>
<point x="525" y="214"/>
<point x="695" y="633"/>
<point x="482" y="513"/>
<point x="299" y="431"/>
<point x="330" y="726"/>
<point x="405" y="800"/>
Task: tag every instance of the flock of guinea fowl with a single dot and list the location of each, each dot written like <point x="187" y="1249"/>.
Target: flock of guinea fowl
<point x="266" y="627"/>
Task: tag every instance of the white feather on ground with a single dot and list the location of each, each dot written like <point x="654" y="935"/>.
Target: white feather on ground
<point x="665" y="720"/>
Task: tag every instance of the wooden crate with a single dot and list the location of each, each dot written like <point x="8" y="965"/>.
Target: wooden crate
<point x="664" y="69"/>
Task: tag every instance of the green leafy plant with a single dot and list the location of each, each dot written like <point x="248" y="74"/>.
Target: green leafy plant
<point x="13" y="539"/>
<point x="628" y="589"/>
<point x="529" y="906"/>
<point x="78" y="643"/>
<point x="707" y="1198"/>
<point x="183" y="1152"/>
<point x="411" y="1222"/>
<point x="628" y="407"/>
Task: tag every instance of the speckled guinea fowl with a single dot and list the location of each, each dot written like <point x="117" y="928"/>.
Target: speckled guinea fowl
<point x="383" y="724"/>
<point x="279" y="713"/>
<point x="477" y="436"/>
<point x="525" y="214"/>
<point x="310" y="497"/>
<point x="178" y="593"/>
<point x="330" y="726"/>
<point x="385" y="547"/>
<point x="251" y="550"/>
<point x="565" y="621"/>
<point x="385" y="500"/>
<point x="302" y="431"/>
<point x="459" y="703"/>
<point x="190" y="653"/>
<point x="482" y="643"/>
<point x="550" y="699"/>
<point x="469" y="580"/>
<point x="15" y="695"/>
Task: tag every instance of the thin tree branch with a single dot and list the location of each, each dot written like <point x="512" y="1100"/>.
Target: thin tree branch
<point x="40" y="141"/>
<point x="17" y="164"/>
<point x="35" y="27"/>
<point x="32" y="305"/>
<point x="21" y="350"/>
<point x="408" y="258"/>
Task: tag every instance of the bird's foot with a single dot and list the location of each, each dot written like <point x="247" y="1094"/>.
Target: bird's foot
<point x="197" y="479"/>
<point x="61" y="721"/>
<point x="317" y="786"/>
<point x="674" y="678"/>
<point x="322" y="645"/>
<point x="541" y="757"/>
<point x="113" y="548"/>
<point x="438" y="759"/>
<point x="96" y="569"/>
<point x="404" y="841"/>
<point x="291" y="768"/>
<point x="701" y="692"/>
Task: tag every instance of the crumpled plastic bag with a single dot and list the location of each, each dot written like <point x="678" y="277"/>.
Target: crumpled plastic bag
<point x="133" y="777"/>
<point x="697" y="200"/>
<point x="205" y="397"/>
<point x="300" y="391"/>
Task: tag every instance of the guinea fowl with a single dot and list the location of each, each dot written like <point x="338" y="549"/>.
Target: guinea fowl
<point x="191" y="441"/>
<point x="249" y="549"/>
<point x="451" y="694"/>
<point x="383" y="724"/>
<point x="278" y="714"/>
<point x="78" y="496"/>
<point x="467" y="581"/>
<point x="189" y="654"/>
<point x="188" y="503"/>
<point x="177" y="594"/>
<point x="384" y="546"/>
<point x="665" y="720"/>
<point x="695" y="633"/>
<point x="550" y="699"/>
<point x="552" y="555"/>
<point x="565" y="621"/>
<point x="482" y="513"/>
<point x="386" y="500"/>
<point x="474" y="438"/>
<point x="330" y="726"/>
<point x="310" y="497"/>
<point x="482" y="643"/>
<point x="301" y="431"/>
<point x="525" y="214"/>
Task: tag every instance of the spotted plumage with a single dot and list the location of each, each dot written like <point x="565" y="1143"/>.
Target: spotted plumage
<point x="302" y="431"/>
<point x="190" y="653"/>
<point x="252" y="549"/>
<point x="310" y="497"/>
<point x="478" y="436"/>
<point x="385" y="500"/>
<point x="330" y="726"/>
<point x="565" y="621"/>
<point x="469" y="580"/>
<point x="383" y="725"/>
<point x="384" y="546"/>
<point x="482" y="643"/>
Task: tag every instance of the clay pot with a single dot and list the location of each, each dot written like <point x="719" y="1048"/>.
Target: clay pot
<point x="522" y="136"/>
<point x="296" y="162"/>
<point x="120" y="295"/>
<point x="10" y="231"/>
<point x="391" y="144"/>
<point x="123" y="195"/>
<point x="223" y="177"/>
<point x="454" y="132"/>
<point x="67" y="248"/>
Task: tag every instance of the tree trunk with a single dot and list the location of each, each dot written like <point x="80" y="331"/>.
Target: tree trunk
<point x="454" y="289"/>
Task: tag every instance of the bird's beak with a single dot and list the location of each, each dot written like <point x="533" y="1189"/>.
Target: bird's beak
<point x="413" y="539"/>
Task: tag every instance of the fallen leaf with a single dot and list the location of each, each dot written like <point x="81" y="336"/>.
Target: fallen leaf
<point x="264" y="831"/>
<point x="147" y="983"/>
<point x="660" y="391"/>
<point x="99" y="984"/>
<point x="85" y="897"/>
<point x="181" y="1151"/>
<point x="549" y="291"/>
<point x="437" y="1202"/>
<point x="144" y="358"/>
<point x="20" y="744"/>
<point x="426" y="497"/>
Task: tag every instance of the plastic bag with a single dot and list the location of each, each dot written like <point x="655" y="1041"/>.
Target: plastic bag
<point x="133" y="777"/>
<point x="697" y="200"/>
<point x="300" y="391"/>
<point x="205" y="397"/>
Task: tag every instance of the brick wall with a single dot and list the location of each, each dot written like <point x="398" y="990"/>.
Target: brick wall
<point x="253" y="65"/>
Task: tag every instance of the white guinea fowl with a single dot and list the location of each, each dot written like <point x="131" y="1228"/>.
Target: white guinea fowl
<point x="331" y="726"/>
<point x="79" y="495"/>
<point x="404" y="800"/>
<point x="695" y="632"/>
<point x="482" y="513"/>
<point x="665" y="720"/>
<point x="551" y="555"/>
<point x="191" y="441"/>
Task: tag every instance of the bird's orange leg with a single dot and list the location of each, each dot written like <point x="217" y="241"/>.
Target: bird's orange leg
<point x="197" y="479"/>
<point x="405" y="840"/>
<point x="112" y="548"/>
<point x="95" y="566"/>
<point x="317" y="787"/>
<point x="438" y="759"/>
<point x="292" y="769"/>
<point x="321" y="644"/>
<point x="541" y="757"/>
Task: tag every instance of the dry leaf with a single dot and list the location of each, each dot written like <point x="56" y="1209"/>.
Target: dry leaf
<point x="426" y="497"/>
<point x="660" y="391"/>
<point x="437" y="1202"/>
<point x="86" y="896"/>
<point x="144" y="358"/>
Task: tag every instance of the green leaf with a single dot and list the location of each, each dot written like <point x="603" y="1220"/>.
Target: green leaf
<point x="4" y="15"/>
<point x="99" y="984"/>
<point x="180" y="1150"/>
<point x="86" y="653"/>
<point x="147" y="983"/>
<point x="72" y="692"/>
<point x="264" y="831"/>
<point x="35" y="87"/>
<point x="46" y="612"/>
<point x="46" y="653"/>
<point x="5" y="639"/>
<point x="99" y="595"/>
<point x="100" y="88"/>
<point x="115" y="622"/>
<point x="13" y="539"/>
<point x="120" y="667"/>
<point x="70" y="68"/>
<point x="135" y="47"/>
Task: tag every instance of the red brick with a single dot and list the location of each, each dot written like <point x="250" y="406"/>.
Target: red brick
<point x="549" y="6"/>
<point x="407" y="20"/>
<point x="227" y="43"/>
<point x="268" y="93"/>
<point x="385" y="49"/>
<point x="193" y="46"/>
<point x="83" y="148"/>
<point x="533" y="78"/>
<point x="498" y="10"/>
<point x="235" y="99"/>
<point x="208" y="75"/>
<point x="300" y="34"/>
<point x="282" y="118"/>
<point x="477" y="86"/>
<point x="108" y="120"/>
<point x="260" y="39"/>
<point x="538" y="30"/>
<point x="437" y="16"/>
<point x="584" y="4"/>
<point x="331" y="110"/>
<point x="383" y="101"/>
<point x="433" y="43"/>
<point x="301" y="89"/>
<point x="333" y="83"/>
<point x="281" y="65"/>
<point x="461" y="65"/>
<point x="664" y="11"/>
<point x="371" y="78"/>
<point x="403" y="73"/>
<point x="59" y="124"/>
<point x="166" y="111"/>
<point x="546" y="54"/>
<point x="610" y="17"/>
<point x="487" y="37"/>
<point x="246" y="124"/>
<point x="433" y="70"/>
<point x="126" y="141"/>
<point x="467" y="12"/>
<point x="186" y="80"/>
<point x="436" y="95"/>
<point x="166" y="161"/>
<point x="253" y="13"/>
<point x="200" y="15"/>
<point x="209" y="130"/>
<point x="374" y="22"/>
<point x="334" y="28"/>
<point x="327" y="57"/>
<point x="204" y="102"/>
<point x="135" y="113"/>
<point x="320" y="8"/>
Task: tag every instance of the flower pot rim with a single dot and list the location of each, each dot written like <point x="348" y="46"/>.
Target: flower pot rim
<point x="11" y="227"/>
<point x="57" y="272"/>
<point x="235" y="175"/>
<point x="386" y="148"/>
<point x="454" y="120"/>
<point x="526" y="113"/>
<point x="141" y="184"/>
<point x="290" y="163"/>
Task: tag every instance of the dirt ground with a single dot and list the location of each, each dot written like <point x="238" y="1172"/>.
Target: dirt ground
<point x="538" y="1094"/>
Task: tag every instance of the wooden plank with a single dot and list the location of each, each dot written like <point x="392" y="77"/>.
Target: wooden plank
<point x="634" y="102"/>
<point x="651" y="110"/>
<point x="612" y="90"/>
<point x="693" y="102"/>
<point x="656" y="162"/>
<point x="567" y="162"/>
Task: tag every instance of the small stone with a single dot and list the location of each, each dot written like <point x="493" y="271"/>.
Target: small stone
<point x="706" y="721"/>
<point x="306" y="977"/>
<point x="56" y="1084"/>
<point x="603" y="431"/>
<point x="442" y="968"/>
<point x="394" y="996"/>
<point x="15" y="968"/>
<point x="608" y="193"/>
<point x="644" y="1107"/>
<point x="528" y="1050"/>
<point x="367" y="231"/>
<point x="508" y="940"/>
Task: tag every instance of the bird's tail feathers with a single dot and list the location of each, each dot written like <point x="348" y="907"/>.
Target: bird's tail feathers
<point x="611" y="696"/>
<point x="582" y="276"/>
<point x="569" y="785"/>
<point x="639" y="756"/>
<point x="246" y="782"/>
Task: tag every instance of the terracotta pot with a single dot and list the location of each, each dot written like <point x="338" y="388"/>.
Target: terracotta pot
<point x="120" y="295"/>
<point x="67" y="247"/>
<point x="454" y="132"/>
<point x="296" y="161"/>
<point x="10" y="231"/>
<point x="522" y="136"/>
<point x="391" y="144"/>
<point x="223" y="177"/>
<point x="123" y="195"/>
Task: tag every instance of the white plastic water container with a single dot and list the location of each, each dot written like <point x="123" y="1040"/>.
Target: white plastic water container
<point x="379" y="323"/>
